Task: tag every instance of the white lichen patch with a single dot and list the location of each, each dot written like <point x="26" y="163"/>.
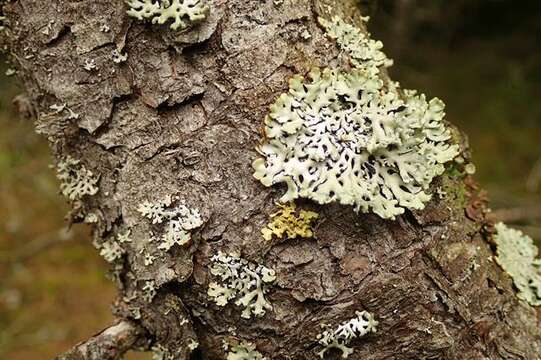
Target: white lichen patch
<point x="343" y="137"/>
<point x="182" y="13"/>
<point x="149" y="290"/>
<point x="244" y="351"/>
<point x="159" y="352"/>
<point x="340" y="337"/>
<point x="90" y="65"/>
<point x="364" y="52"/>
<point x="124" y="236"/>
<point x="242" y="280"/>
<point x="517" y="255"/>
<point x="63" y="108"/>
<point x="193" y="344"/>
<point x="178" y="220"/>
<point x="111" y="251"/>
<point x="148" y="259"/>
<point x="118" y="57"/>
<point x="76" y="180"/>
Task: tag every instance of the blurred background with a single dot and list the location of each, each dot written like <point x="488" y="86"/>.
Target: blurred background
<point x="481" y="57"/>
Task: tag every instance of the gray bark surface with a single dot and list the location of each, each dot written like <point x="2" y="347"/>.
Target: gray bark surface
<point x="182" y="116"/>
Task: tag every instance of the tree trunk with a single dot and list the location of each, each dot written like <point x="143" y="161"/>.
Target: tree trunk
<point x="182" y="117"/>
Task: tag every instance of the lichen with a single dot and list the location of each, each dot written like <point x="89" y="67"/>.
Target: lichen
<point x="148" y="259"/>
<point x="343" y="137"/>
<point x="340" y="337"/>
<point x="244" y="351"/>
<point x="183" y="13"/>
<point x="159" y="352"/>
<point x="193" y="344"/>
<point x="242" y="280"/>
<point x="76" y="180"/>
<point x="149" y="290"/>
<point x="286" y="222"/>
<point x="364" y="52"/>
<point x="118" y="57"/>
<point x="179" y="220"/>
<point x="62" y="108"/>
<point x="111" y="251"/>
<point x="90" y="65"/>
<point x="517" y="255"/>
<point x="123" y="236"/>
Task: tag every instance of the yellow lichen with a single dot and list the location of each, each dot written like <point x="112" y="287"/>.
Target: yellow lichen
<point x="287" y="222"/>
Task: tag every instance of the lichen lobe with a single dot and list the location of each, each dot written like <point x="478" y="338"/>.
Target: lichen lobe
<point x="517" y="255"/>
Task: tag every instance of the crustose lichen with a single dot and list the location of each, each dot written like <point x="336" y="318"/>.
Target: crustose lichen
<point x="243" y="280"/>
<point x="183" y="13"/>
<point x="340" y="337"/>
<point x="286" y="222"/>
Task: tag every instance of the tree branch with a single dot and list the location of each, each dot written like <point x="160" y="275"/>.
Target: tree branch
<point x="110" y="344"/>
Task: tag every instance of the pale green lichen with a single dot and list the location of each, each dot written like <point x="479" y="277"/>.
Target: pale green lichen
<point x="242" y="280"/>
<point x="76" y="181"/>
<point x="90" y="65"/>
<point x="193" y="344"/>
<point x="244" y="351"/>
<point x="63" y="108"/>
<point x="159" y="352"/>
<point x="183" y="13"/>
<point x="149" y="290"/>
<point x="286" y="222"/>
<point x="343" y="137"/>
<point x="179" y="220"/>
<point x="123" y="236"/>
<point x="340" y="337"/>
<point x="118" y="57"/>
<point x="111" y="251"/>
<point x="364" y="52"/>
<point x="517" y="255"/>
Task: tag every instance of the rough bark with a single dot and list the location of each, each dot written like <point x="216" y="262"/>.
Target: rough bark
<point x="182" y="116"/>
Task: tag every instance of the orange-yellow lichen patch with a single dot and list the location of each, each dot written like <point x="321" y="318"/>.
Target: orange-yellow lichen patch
<point x="286" y="221"/>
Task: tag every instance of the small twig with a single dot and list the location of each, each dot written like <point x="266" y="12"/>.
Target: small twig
<point x="111" y="344"/>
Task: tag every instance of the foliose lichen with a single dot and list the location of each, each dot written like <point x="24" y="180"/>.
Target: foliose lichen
<point x="183" y="13"/>
<point x="149" y="290"/>
<point x="344" y="137"/>
<point x="286" y="222"/>
<point x="179" y="220"/>
<point x="118" y="57"/>
<point x="244" y="351"/>
<point x="340" y="337"/>
<point x="242" y="280"/>
<point x="111" y="251"/>
<point x="517" y="255"/>
<point x="76" y="180"/>
<point x="364" y="52"/>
